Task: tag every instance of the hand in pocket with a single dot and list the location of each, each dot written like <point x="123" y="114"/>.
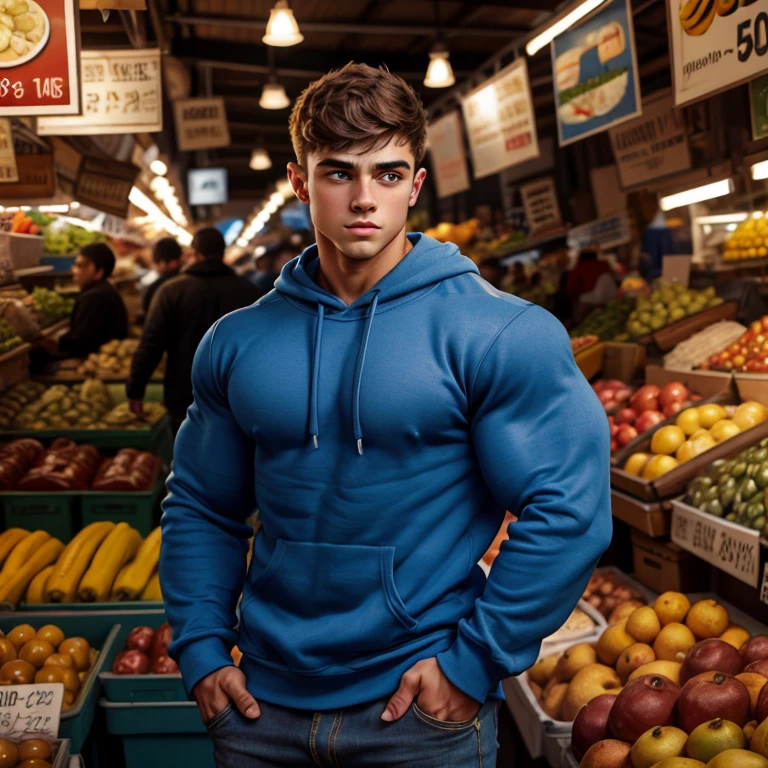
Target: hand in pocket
<point x="215" y="691"/>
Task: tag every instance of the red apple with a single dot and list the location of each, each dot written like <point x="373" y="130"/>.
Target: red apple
<point x="648" y="419"/>
<point x="614" y="446"/>
<point x="759" y="667"/>
<point x="755" y="649"/>
<point x="591" y="724"/>
<point x="622" y="395"/>
<point x="614" y="428"/>
<point x="625" y="416"/>
<point x="606" y="396"/>
<point x="642" y="704"/>
<point x="711" y="655"/>
<point x="672" y="409"/>
<point x="711" y="695"/>
<point x="645" y="399"/>
<point x="761" y="710"/>
<point x="599" y="386"/>
<point x="614" y="384"/>
<point x="626" y="434"/>
<point x="674" y="392"/>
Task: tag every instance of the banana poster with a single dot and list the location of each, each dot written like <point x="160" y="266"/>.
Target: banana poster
<point x="716" y="44"/>
<point x="596" y="76"/>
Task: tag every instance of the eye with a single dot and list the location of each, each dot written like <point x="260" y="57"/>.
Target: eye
<point x="338" y="175"/>
<point x="391" y="177"/>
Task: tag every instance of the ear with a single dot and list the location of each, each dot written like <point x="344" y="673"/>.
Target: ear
<point x="418" y="183"/>
<point x="298" y="178"/>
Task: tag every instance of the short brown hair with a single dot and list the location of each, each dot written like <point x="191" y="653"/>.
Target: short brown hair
<point x="357" y="104"/>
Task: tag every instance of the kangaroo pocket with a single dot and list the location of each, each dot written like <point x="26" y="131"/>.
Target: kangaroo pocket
<point x="324" y="608"/>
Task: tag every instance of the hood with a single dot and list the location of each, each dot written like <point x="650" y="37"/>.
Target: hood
<point x="429" y="262"/>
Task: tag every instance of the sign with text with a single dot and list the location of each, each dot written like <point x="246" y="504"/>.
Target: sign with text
<point x="715" y="45"/>
<point x="652" y="146"/>
<point x="8" y="171"/>
<point x="36" y="179"/>
<point x="66" y="160"/>
<point x="105" y="184"/>
<point x="122" y="93"/>
<point x="542" y="210"/>
<point x="728" y="546"/>
<point x="607" y="232"/>
<point x="30" y="711"/>
<point x="446" y="150"/>
<point x="39" y="61"/>
<point x="758" y="102"/>
<point x="208" y="186"/>
<point x="596" y="76"/>
<point x="500" y="121"/>
<point x="201" y="124"/>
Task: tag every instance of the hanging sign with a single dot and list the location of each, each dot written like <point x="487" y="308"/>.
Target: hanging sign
<point x="758" y="101"/>
<point x="36" y="179"/>
<point x="105" y="184"/>
<point x="8" y="171"/>
<point x="596" y="75"/>
<point x="201" y="124"/>
<point x="652" y="146"/>
<point x="500" y="121"/>
<point x="122" y="93"/>
<point x="39" y="60"/>
<point x="716" y="44"/>
<point x="607" y="232"/>
<point x="30" y="711"/>
<point x="541" y="207"/>
<point x="66" y="160"/>
<point x="446" y="150"/>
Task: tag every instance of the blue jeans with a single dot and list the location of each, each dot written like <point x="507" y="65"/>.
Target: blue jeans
<point x="352" y="738"/>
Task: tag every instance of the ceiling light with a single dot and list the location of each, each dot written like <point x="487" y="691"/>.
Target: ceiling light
<point x="74" y="205"/>
<point x="158" y="167"/>
<point x="757" y="215"/>
<point x="273" y="96"/>
<point x="282" y="29"/>
<point x="697" y="194"/>
<point x="159" y="183"/>
<point x="276" y="197"/>
<point x="285" y="189"/>
<point x="260" y="160"/>
<point x="760" y="171"/>
<point x="439" y="72"/>
<point x="560" y="26"/>
<point x="263" y="217"/>
<point x="271" y="207"/>
<point x="723" y="218"/>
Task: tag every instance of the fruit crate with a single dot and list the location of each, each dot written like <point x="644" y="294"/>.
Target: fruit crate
<point x="668" y="338"/>
<point x="101" y="631"/>
<point x="159" y="734"/>
<point x="590" y="360"/>
<point x="649" y="517"/>
<point x="568" y="760"/>
<point x="56" y="513"/>
<point x="132" y="609"/>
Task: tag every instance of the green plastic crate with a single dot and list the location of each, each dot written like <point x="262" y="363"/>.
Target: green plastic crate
<point x="56" y="513"/>
<point x="139" y="607"/>
<point x="101" y="630"/>
<point x="137" y="508"/>
<point x="156" y="735"/>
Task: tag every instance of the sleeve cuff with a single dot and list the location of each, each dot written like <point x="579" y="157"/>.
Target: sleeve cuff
<point x="201" y="658"/>
<point x="468" y="667"/>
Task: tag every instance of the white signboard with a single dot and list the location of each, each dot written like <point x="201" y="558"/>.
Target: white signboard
<point x="8" y="170"/>
<point x="208" y="186"/>
<point x="446" y="149"/>
<point x="604" y="233"/>
<point x="500" y="121"/>
<point x="652" y="146"/>
<point x="542" y="210"/>
<point x="729" y="547"/>
<point x="122" y="93"/>
<point x="201" y="124"/>
<point x="716" y="44"/>
<point x="30" y="711"/>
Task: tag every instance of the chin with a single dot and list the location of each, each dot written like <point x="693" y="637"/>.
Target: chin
<point x="360" y="248"/>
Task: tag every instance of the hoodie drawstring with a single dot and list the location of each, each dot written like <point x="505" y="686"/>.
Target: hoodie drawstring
<point x="314" y="428"/>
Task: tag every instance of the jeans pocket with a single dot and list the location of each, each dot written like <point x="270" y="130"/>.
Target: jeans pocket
<point x="442" y="725"/>
<point x="220" y="717"/>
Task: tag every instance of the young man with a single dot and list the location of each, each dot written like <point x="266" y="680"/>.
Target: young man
<point x="99" y="314"/>
<point x="182" y="310"/>
<point x="166" y="260"/>
<point x="383" y="406"/>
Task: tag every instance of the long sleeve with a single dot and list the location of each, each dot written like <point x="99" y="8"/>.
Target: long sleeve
<point x="542" y="444"/>
<point x="205" y="537"/>
<point x="155" y="339"/>
<point x="84" y="332"/>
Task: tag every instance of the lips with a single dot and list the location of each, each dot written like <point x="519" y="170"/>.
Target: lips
<point x="363" y="228"/>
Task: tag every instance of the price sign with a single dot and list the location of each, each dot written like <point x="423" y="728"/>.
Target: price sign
<point x="105" y="184"/>
<point x="30" y="711"/>
<point x="36" y="178"/>
<point x="8" y="171"/>
<point x="715" y="45"/>
<point x="121" y="94"/>
<point x="541" y="208"/>
<point x="201" y="124"/>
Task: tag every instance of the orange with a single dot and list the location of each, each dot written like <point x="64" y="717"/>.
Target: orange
<point x="707" y="618"/>
<point x="644" y="624"/>
<point x="667" y="440"/>
<point x="688" y="421"/>
<point x="636" y="463"/>
<point x="725" y="429"/>
<point x="658" y="466"/>
<point x="671" y="607"/>
<point x="710" y="414"/>
<point x="612" y="642"/>
<point x="735" y="636"/>
<point x="673" y="642"/>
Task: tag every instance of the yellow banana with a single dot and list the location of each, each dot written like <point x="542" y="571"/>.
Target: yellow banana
<point x="132" y="580"/>
<point x="36" y="589"/>
<point x="152" y="590"/>
<point x="12" y="589"/>
<point x="8" y="541"/>
<point x="115" y="551"/>
<point x="74" y="561"/>
<point x="687" y="9"/>
<point x="22" y="552"/>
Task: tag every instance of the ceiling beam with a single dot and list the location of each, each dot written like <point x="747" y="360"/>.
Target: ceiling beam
<point x="527" y="5"/>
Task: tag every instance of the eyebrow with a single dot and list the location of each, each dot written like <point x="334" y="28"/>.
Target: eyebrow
<point x="390" y="165"/>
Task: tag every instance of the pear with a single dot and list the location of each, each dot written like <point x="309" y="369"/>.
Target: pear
<point x="656" y="744"/>
<point x="573" y="661"/>
<point x="759" y="741"/>
<point x="737" y="758"/>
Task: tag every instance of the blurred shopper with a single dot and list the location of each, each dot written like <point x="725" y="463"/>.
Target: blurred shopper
<point x="590" y="283"/>
<point x="167" y="261"/>
<point x="493" y="271"/>
<point x="183" y="309"/>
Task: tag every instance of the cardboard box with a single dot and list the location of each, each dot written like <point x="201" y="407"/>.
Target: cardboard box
<point x="623" y="361"/>
<point x="652" y="519"/>
<point x="752" y="386"/>
<point x="663" y="566"/>
<point x="705" y="383"/>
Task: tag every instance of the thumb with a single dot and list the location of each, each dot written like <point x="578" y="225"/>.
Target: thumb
<point x="410" y="685"/>
<point x="234" y="687"/>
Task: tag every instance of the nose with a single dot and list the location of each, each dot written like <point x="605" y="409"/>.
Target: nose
<point x="363" y="199"/>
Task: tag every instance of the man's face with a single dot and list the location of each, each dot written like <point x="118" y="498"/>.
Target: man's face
<point x="162" y="267"/>
<point x="84" y="272"/>
<point x="359" y="202"/>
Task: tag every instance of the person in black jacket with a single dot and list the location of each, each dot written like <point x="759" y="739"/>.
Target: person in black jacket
<point x="182" y="310"/>
<point x="166" y="259"/>
<point x="99" y="314"/>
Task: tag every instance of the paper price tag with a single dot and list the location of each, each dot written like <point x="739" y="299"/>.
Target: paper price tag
<point x="30" y="711"/>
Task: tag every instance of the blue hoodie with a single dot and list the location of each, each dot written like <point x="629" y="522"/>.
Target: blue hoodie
<point x="382" y="442"/>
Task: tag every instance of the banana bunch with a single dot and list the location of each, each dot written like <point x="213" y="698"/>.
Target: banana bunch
<point x="133" y="579"/>
<point x="696" y="16"/>
<point x="24" y="556"/>
<point x="119" y="547"/>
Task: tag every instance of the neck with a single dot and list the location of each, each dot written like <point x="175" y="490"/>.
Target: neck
<point x="349" y="278"/>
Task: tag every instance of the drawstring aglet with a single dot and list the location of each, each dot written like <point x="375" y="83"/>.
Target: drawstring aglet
<point x="314" y="438"/>
<point x="360" y="446"/>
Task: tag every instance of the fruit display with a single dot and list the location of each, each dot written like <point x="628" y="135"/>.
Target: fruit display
<point x="16" y="458"/>
<point x="696" y="351"/>
<point x="612" y="596"/>
<point x="46" y="655"/>
<point x="49" y="306"/>
<point x="580" y="343"/>
<point x="9" y="339"/>
<point x="749" y="353"/>
<point x="696" y="430"/>
<point x="735" y="489"/>
<point x="13" y="401"/>
<point x="608" y="322"/>
<point x="748" y="241"/>
<point x="667" y="304"/>
<point x="121" y="417"/>
<point x="460" y="234"/>
<point x="146" y="652"/>
<point x="61" y="239"/>
<point x="30" y="753"/>
<point x="113" y="360"/>
<point x="612" y="393"/>
<point x="703" y="701"/>
<point x="19" y="223"/>
<point x="105" y="562"/>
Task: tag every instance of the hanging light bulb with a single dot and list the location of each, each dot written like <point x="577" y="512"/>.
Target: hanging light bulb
<point x="158" y="167"/>
<point x="439" y="71"/>
<point x="282" y="29"/>
<point x="260" y="160"/>
<point x="273" y="96"/>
